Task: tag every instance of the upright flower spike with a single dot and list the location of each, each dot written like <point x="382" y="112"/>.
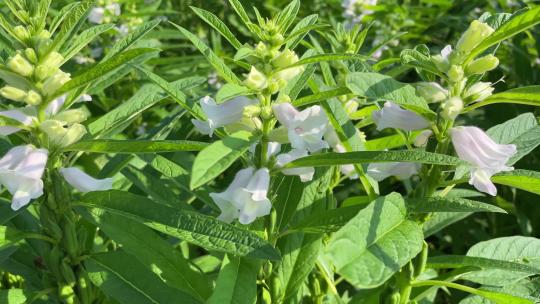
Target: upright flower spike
<point x="305" y="129"/>
<point x="393" y="116"/>
<point x="84" y="182"/>
<point x="401" y="170"/>
<point x="16" y="115"/>
<point x="485" y="156"/>
<point x="220" y="115"/>
<point x="246" y="197"/>
<point x="305" y="173"/>
<point x="21" y="170"/>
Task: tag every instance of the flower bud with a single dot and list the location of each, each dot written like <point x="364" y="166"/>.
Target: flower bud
<point x="54" y="59"/>
<point x="43" y="72"/>
<point x="455" y="73"/>
<point x="431" y="91"/>
<point x="479" y="91"/>
<point x="44" y="34"/>
<point x="72" y="116"/>
<point x="473" y="36"/>
<point x="251" y="111"/>
<point x="482" y="65"/>
<point x="266" y="112"/>
<point x="256" y="80"/>
<point x="245" y="124"/>
<point x="21" y="33"/>
<point x="31" y="55"/>
<point x="13" y="93"/>
<point x="451" y="108"/>
<point x="261" y="49"/>
<point x="33" y="98"/>
<point x="61" y="135"/>
<point x="285" y="59"/>
<point x="56" y="81"/>
<point x="20" y="65"/>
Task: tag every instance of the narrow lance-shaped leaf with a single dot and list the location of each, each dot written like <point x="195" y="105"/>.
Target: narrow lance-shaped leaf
<point x="135" y="146"/>
<point x="218" y="25"/>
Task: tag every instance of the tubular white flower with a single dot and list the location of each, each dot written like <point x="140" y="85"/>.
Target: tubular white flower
<point x="16" y="115"/>
<point x="393" y="116"/>
<point x="401" y="170"/>
<point x="220" y="115"/>
<point x="305" y="173"/>
<point x="485" y="156"/>
<point x="84" y="182"/>
<point x="479" y="91"/>
<point x="21" y="169"/>
<point x="246" y="197"/>
<point x="305" y="129"/>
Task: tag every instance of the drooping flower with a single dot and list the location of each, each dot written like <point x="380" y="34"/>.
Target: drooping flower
<point x="21" y="169"/>
<point x="246" y="197"/>
<point x="305" y="129"/>
<point x="16" y="115"/>
<point x="401" y="170"/>
<point x="305" y="173"/>
<point x="393" y="116"/>
<point x="84" y="182"/>
<point x="220" y="115"/>
<point x="485" y="156"/>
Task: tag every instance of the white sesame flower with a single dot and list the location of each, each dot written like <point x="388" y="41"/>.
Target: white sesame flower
<point x="479" y="91"/>
<point x="485" y="156"/>
<point x="305" y="129"/>
<point x="401" y="170"/>
<point x="305" y="173"/>
<point x="220" y="115"/>
<point x="393" y="116"/>
<point x="21" y="169"/>
<point x="96" y="15"/>
<point x="246" y="197"/>
<point x="16" y="115"/>
<point x="84" y="182"/>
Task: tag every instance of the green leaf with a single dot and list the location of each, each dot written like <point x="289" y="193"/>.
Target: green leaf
<point x="522" y="131"/>
<point x="236" y="282"/>
<point x="324" y="58"/>
<point x="510" y="28"/>
<point x="13" y="296"/>
<point x="135" y="146"/>
<point x="102" y="69"/>
<point x="222" y="69"/>
<point x="125" y="279"/>
<point x="525" y="95"/>
<point x="191" y="227"/>
<point x="230" y="91"/>
<point x="416" y="156"/>
<point x="218" y="25"/>
<point x="133" y="36"/>
<point x="286" y="17"/>
<point x="328" y="220"/>
<point x="73" y="20"/>
<point x="416" y="59"/>
<point x="219" y="156"/>
<point x="456" y="261"/>
<point x="320" y="96"/>
<point x="381" y="87"/>
<point x="155" y="253"/>
<point x="517" y="249"/>
<point x="83" y="39"/>
<point x="442" y="204"/>
<point x="521" y="179"/>
<point x="300" y="30"/>
<point x="439" y="220"/>
<point x="380" y="240"/>
<point x="239" y="9"/>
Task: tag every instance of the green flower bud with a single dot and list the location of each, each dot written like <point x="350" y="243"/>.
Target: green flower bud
<point x="456" y="73"/>
<point x="71" y="116"/>
<point x="43" y="72"/>
<point x="54" y="59"/>
<point x="44" y="34"/>
<point x="20" y="65"/>
<point x="31" y="55"/>
<point x="479" y="91"/>
<point x="451" y="108"/>
<point x="60" y="135"/>
<point x="285" y="59"/>
<point x="261" y="49"/>
<point x="267" y="112"/>
<point x="33" y="98"/>
<point x="431" y="91"/>
<point x="13" y="93"/>
<point x="256" y="80"/>
<point x="283" y="98"/>
<point x="21" y="33"/>
<point x="251" y="111"/>
<point x="482" y="65"/>
<point x="473" y="36"/>
<point x="53" y="83"/>
<point x="245" y="124"/>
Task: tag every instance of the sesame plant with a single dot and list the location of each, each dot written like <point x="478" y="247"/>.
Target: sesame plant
<point x="285" y="159"/>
